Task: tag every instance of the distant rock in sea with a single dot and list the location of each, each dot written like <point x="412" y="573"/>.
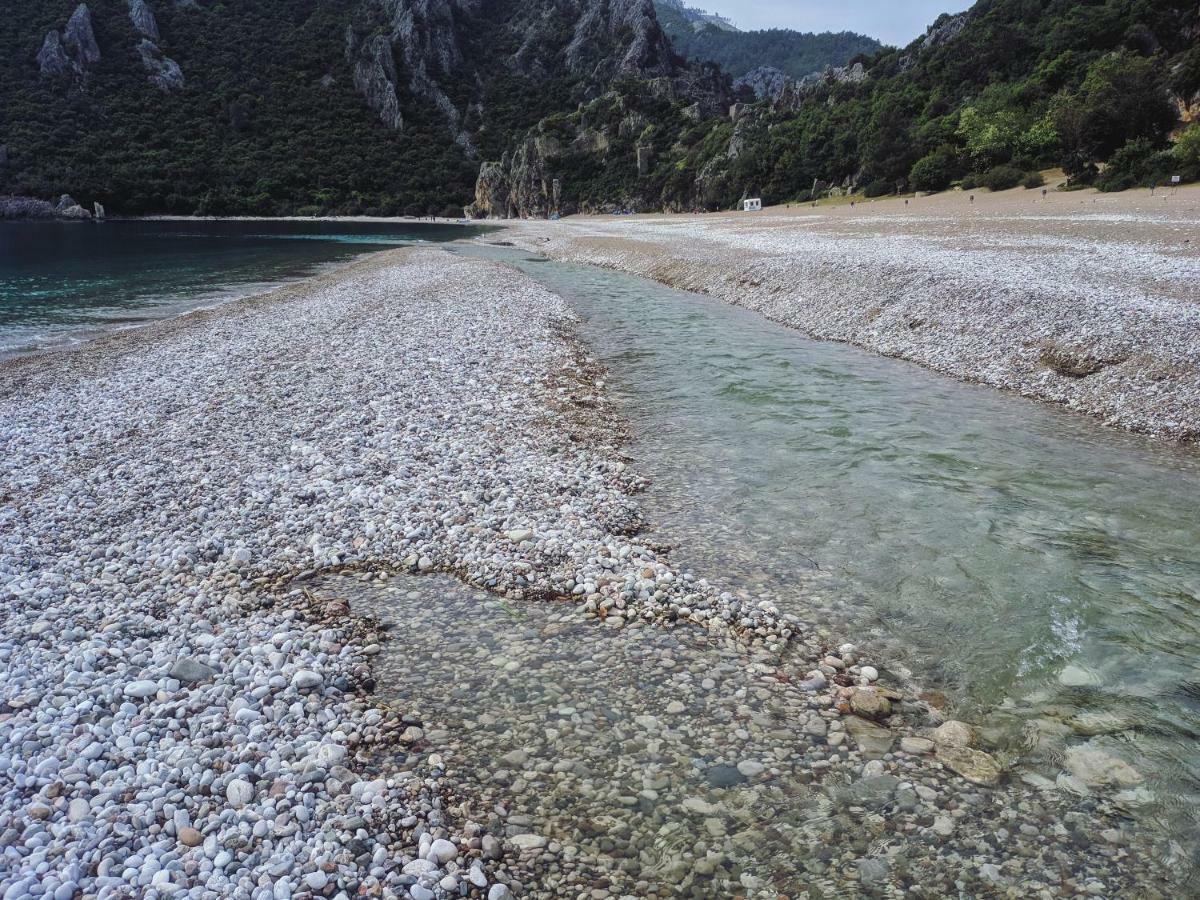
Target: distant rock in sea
<point x="67" y="208"/>
<point x="14" y="208"/>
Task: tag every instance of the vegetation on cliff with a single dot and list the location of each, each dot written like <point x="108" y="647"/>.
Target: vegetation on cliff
<point x="1009" y="85"/>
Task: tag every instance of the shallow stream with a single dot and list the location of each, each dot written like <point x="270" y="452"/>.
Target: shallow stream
<point x="1041" y="571"/>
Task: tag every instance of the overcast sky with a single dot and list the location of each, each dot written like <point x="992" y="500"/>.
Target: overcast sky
<point x="892" y="21"/>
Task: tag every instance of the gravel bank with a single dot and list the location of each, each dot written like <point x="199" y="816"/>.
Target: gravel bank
<point x="177" y="713"/>
<point x="1083" y="300"/>
<point x="187" y="710"/>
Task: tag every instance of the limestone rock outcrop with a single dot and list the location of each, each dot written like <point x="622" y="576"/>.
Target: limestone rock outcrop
<point x="766" y="82"/>
<point x="53" y="60"/>
<point x="79" y="37"/>
<point x="67" y="208"/>
<point x="416" y="48"/>
<point x="73" y="50"/>
<point x="142" y="17"/>
<point x="521" y="185"/>
<point x="604" y="26"/>
<point x="944" y="30"/>
<point x="375" y="77"/>
<point x="164" y="73"/>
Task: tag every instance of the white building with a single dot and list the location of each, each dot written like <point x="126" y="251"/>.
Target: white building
<point x="752" y="205"/>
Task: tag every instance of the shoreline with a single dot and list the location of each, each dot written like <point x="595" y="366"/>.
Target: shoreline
<point x="1080" y="300"/>
<point x="226" y="456"/>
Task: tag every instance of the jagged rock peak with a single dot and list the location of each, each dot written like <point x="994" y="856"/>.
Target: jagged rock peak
<point x="80" y="38"/>
<point x="53" y="60"/>
<point x="425" y="36"/>
<point x="647" y="50"/>
<point x="142" y="17"/>
<point x="73" y="51"/>
<point x="945" y="29"/>
<point x="164" y="73"/>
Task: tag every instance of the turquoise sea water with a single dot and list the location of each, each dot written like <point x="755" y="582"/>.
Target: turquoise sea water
<point x="62" y="281"/>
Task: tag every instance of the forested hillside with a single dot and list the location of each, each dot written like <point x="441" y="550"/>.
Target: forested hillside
<point x="556" y="106"/>
<point x="793" y="53"/>
<point x="269" y="120"/>
<point x="1008" y="87"/>
<point x="296" y="105"/>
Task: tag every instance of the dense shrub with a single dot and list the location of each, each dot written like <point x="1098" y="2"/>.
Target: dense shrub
<point x="1122" y="99"/>
<point x="934" y="172"/>
<point x="1033" y="180"/>
<point x="879" y="188"/>
<point x="1186" y="154"/>
<point x="1001" y="178"/>
<point x="1137" y="164"/>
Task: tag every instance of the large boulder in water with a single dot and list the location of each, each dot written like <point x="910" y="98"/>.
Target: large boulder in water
<point x="67" y="208"/>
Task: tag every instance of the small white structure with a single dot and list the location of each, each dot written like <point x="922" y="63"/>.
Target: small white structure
<point x="754" y="204"/>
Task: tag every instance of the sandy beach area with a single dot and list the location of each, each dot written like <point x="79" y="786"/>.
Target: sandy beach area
<point x="202" y="520"/>
<point x="1077" y="298"/>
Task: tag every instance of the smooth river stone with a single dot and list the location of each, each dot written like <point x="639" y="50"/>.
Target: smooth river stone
<point x="872" y="740"/>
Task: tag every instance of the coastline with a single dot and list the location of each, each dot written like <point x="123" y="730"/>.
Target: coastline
<point x="411" y="413"/>
<point x="1079" y="299"/>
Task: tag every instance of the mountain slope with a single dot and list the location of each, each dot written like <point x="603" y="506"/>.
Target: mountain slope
<point x="338" y="105"/>
<point x="795" y="54"/>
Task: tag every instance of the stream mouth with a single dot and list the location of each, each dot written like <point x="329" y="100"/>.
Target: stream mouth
<point x="1036" y="572"/>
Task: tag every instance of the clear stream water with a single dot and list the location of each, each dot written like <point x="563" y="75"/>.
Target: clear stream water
<point x="1040" y="570"/>
<point x="61" y="281"/>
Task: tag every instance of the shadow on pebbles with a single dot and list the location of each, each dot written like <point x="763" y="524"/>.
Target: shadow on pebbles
<point x="653" y="762"/>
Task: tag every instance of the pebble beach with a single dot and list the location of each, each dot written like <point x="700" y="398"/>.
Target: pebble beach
<point x="1080" y="299"/>
<point x="342" y="591"/>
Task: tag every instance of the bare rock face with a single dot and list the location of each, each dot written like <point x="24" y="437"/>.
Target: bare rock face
<point x="53" y="59"/>
<point x="72" y="51"/>
<point x="423" y="36"/>
<point x="944" y="30"/>
<point x="633" y="23"/>
<point x="493" y="193"/>
<point x="164" y="73"/>
<point x="142" y="17"/>
<point x="375" y="77"/>
<point x="80" y="38"/>
<point x="766" y="82"/>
